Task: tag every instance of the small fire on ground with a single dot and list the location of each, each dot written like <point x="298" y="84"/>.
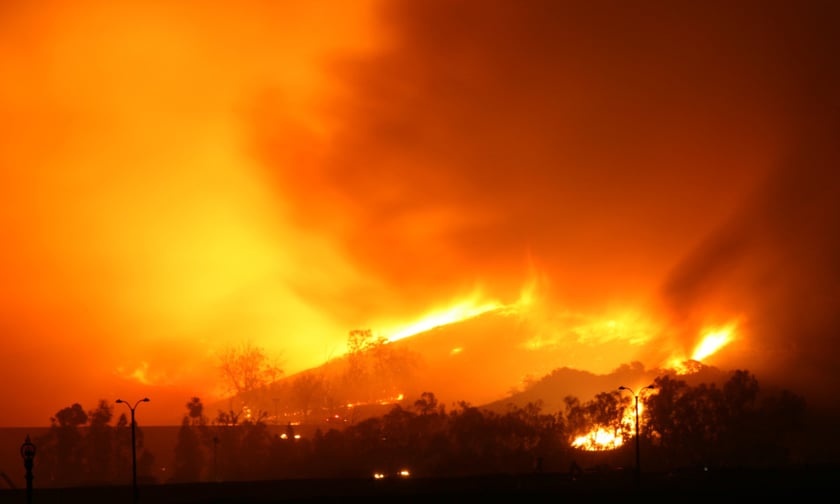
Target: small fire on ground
<point x="601" y="438"/>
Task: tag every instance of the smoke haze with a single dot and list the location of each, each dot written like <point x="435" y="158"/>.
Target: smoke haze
<point x="176" y="178"/>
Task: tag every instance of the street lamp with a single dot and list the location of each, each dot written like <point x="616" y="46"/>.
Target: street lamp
<point x="636" y="397"/>
<point x="133" y="444"/>
<point x="27" y="451"/>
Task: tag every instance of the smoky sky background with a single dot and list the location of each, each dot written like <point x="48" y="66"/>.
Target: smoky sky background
<point x="674" y="154"/>
<point x="601" y="139"/>
<point x="176" y="177"/>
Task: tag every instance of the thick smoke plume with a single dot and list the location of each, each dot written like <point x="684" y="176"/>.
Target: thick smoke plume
<point x="665" y="154"/>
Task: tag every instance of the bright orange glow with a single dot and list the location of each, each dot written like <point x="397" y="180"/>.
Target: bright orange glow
<point x="458" y="312"/>
<point x="630" y="327"/>
<point x="712" y="342"/>
<point x="602" y="439"/>
<point x="145" y="233"/>
<point x="600" y="342"/>
<point x="388" y="400"/>
<point x="464" y="309"/>
<point x="177" y="177"/>
<point x="598" y="439"/>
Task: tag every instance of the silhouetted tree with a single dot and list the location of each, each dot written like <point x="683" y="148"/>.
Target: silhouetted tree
<point x="661" y="419"/>
<point x="576" y="420"/>
<point x="740" y="418"/>
<point x="122" y="448"/>
<point x="359" y="375"/>
<point x="248" y="371"/>
<point x="306" y="391"/>
<point x="195" y="410"/>
<point x="254" y="449"/>
<point x="98" y="451"/>
<point x="427" y="404"/>
<point x="145" y="458"/>
<point x="82" y="448"/>
<point x="189" y="450"/>
<point x="68" y="469"/>
<point x="728" y="426"/>
<point x="376" y="368"/>
<point x="782" y="417"/>
<point x="605" y="411"/>
<point x="189" y="456"/>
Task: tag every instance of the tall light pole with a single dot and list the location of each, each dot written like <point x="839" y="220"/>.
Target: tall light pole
<point x="638" y="457"/>
<point x="133" y="444"/>
<point x="27" y="451"/>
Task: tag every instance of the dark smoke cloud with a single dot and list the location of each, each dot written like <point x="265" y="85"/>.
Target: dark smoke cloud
<point x="778" y="259"/>
<point x="600" y="140"/>
<point x="677" y="153"/>
<point x="778" y="263"/>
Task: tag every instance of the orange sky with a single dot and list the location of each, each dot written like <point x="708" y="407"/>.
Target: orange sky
<point x="179" y="177"/>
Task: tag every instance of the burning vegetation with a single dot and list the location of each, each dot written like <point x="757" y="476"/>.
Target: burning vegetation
<point x="377" y="372"/>
<point x="599" y="415"/>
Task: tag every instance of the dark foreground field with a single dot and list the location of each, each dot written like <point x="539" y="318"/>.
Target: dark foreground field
<point x="791" y="483"/>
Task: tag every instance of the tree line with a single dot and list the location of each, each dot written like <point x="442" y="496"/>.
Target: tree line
<point x="731" y="425"/>
<point x="734" y="424"/>
<point x="85" y="448"/>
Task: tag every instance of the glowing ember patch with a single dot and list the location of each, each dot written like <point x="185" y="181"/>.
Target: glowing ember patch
<point x="685" y="367"/>
<point x="455" y="351"/>
<point x="390" y="400"/>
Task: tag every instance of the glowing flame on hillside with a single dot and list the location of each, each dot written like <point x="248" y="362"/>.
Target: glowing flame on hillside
<point x="456" y="313"/>
<point x="710" y="343"/>
<point x="628" y="328"/>
<point x="465" y="309"/>
<point x="600" y="438"/>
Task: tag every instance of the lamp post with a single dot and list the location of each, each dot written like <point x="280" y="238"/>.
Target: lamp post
<point x="638" y="457"/>
<point x="27" y="451"/>
<point x="133" y="444"/>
